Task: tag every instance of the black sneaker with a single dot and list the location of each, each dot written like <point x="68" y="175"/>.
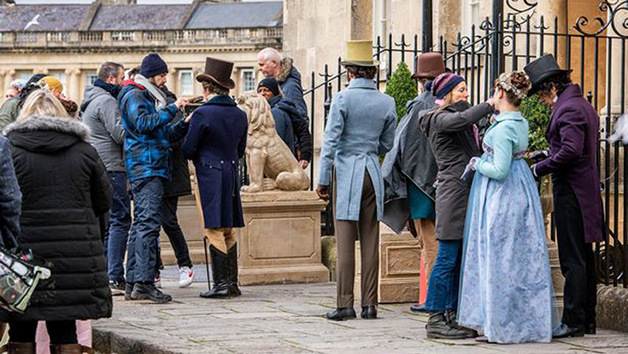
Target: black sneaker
<point x="117" y="287"/>
<point x="128" y="291"/>
<point x="149" y="292"/>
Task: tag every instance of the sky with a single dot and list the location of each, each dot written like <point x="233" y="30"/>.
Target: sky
<point x="89" y="1"/>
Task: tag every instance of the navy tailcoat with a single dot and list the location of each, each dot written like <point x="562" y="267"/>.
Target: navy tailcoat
<point x="215" y="142"/>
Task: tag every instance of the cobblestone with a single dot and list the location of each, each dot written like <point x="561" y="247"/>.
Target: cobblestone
<point x="290" y="319"/>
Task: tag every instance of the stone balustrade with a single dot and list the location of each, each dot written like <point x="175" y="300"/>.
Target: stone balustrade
<point x="125" y="39"/>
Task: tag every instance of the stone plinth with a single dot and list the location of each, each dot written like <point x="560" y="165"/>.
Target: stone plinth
<point x="281" y="242"/>
<point x="191" y="223"/>
<point x="399" y="267"/>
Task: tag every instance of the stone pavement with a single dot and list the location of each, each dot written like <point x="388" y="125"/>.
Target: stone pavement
<point x="289" y="319"/>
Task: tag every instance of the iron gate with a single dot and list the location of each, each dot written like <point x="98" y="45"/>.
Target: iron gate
<point x="594" y="48"/>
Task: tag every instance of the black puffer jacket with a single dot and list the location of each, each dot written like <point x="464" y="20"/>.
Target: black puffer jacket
<point x="64" y="186"/>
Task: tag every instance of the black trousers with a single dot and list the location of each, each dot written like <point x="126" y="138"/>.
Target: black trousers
<point x="172" y="229"/>
<point x="576" y="258"/>
<point x="60" y="332"/>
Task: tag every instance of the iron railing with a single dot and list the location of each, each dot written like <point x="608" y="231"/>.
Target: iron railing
<point x="594" y="48"/>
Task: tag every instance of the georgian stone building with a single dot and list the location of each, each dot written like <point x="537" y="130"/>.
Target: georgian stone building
<point x="71" y="41"/>
<point x="315" y="36"/>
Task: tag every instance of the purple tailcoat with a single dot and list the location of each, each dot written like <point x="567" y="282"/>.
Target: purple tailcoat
<point x="573" y="135"/>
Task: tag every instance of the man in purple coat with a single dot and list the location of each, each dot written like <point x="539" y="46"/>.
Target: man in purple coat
<point x="572" y="161"/>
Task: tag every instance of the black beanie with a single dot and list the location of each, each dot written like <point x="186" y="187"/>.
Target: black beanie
<point x="271" y="84"/>
<point x="153" y="65"/>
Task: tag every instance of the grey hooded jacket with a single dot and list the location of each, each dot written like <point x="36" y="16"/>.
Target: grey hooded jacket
<point x="101" y="113"/>
<point x="411" y="160"/>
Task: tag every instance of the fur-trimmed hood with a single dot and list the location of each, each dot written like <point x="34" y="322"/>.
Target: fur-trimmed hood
<point x="46" y="134"/>
<point x="285" y="70"/>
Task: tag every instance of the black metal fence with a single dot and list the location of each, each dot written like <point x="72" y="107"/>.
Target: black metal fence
<point x="595" y="49"/>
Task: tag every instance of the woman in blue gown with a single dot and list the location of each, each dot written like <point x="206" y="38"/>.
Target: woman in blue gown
<point x="506" y="286"/>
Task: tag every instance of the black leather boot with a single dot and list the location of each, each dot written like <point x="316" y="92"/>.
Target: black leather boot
<point x="233" y="271"/>
<point x="438" y="327"/>
<point x="451" y="317"/>
<point x="220" y="270"/>
<point x="341" y="314"/>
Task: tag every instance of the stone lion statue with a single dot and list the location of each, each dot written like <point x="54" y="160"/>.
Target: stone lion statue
<point x="266" y="154"/>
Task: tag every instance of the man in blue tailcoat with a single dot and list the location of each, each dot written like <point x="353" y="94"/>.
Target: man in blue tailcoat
<point x="572" y="162"/>
<point x="215" y="142"/>
<point x="361" y="127"/>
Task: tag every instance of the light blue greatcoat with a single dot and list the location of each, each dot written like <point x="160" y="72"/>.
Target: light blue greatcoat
<point x="361" y="126"/>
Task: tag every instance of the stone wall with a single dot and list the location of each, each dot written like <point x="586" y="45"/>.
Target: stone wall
<point x="612" y="308"/>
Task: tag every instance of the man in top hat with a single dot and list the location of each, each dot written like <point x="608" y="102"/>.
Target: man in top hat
<point x="410" y="168"/>
<point x="215" y="142"/>
<point x="149" y="131"/>
<point x="572" y="162"/>
<point x="361" y="127"/>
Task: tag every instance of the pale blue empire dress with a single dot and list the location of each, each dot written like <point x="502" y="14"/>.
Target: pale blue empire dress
<point x="506" y="284"/>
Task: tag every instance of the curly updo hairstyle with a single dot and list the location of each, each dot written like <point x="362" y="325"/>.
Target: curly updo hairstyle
<point x="516" y="86"/>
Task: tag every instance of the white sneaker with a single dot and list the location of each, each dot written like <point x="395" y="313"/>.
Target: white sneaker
<point x="186" y="275"/>
<point x="158" y="282"/>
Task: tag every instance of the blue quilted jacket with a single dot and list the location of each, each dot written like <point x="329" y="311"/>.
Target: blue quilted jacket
<point x="149" y="133"/>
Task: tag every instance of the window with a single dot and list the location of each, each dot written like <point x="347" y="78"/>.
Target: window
<point x="248" y="80"/>
<point x="24" y="74"/>
<point x="122" y="36"/>
<point x="186" y="83"/>
<point x="90" y="77"/>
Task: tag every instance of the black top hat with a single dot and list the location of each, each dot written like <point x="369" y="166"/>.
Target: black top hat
<point x="217" y="71"/>
<point x="543" y="69"/>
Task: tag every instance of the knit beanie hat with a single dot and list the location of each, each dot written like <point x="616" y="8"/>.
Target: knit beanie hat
<point x="271" y="84"/>
<point x="53" y="83"/>
<point x="153" y="65"/>
<point x="444" y="84"/>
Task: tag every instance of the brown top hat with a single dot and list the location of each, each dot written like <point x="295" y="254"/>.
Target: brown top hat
<point x="217" y="71"/>
<point x="429" y="66"/>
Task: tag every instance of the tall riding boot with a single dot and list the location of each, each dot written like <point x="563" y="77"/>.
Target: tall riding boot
<point x="70" y="349"/>
<point x="439" y="328"/>
<point x="19" y="348"/>
<point x="220" y="270"/>
<point x="233" y="271"/>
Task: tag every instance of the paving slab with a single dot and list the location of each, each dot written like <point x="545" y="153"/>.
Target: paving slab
<point x="290" y="319"/>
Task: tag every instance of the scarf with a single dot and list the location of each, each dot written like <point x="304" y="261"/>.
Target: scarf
<point x="158" y="95"/>
<point x="113" y="90"/>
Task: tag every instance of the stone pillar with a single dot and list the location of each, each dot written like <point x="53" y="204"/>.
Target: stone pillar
<point x="615" y="79"/>
<point x="171" y="80"/>
<point x="447" y="20"/>
<point x="73" y="89"/>
<point x="8" y="75"/>
<point x="361" y="19"/>
<point x="552" y="9"/>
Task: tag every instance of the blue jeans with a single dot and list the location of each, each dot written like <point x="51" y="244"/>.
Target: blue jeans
<point x="442" y="293"/>
<point x="143" y="240"/>
<point x="117" y="235"/>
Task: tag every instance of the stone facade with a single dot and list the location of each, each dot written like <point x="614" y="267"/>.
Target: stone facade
<point x="74" y="49"/>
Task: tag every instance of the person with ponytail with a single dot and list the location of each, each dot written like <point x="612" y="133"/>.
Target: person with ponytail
<point x="454" y="138"/>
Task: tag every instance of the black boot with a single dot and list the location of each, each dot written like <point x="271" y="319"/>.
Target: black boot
<point x="439" y="328"/>
<point x="233" y="271"/>
<point x="148" y="291"/>
<point x="451" y="317"/>
<point x="220" y="270"/>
